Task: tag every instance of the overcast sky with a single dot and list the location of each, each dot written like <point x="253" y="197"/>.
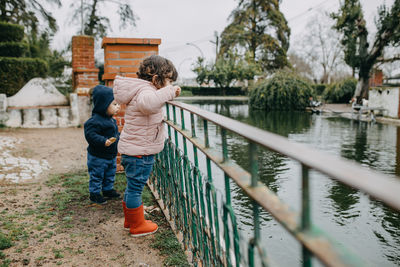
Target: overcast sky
<point x="179" y="22"/>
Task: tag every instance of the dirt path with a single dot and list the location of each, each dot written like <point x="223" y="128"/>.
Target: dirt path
<point x="48" y="220"/>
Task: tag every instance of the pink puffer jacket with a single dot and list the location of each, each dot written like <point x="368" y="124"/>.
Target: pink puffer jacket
<point x="143" y="132"/>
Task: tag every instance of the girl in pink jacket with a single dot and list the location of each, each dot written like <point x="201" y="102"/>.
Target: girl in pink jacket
<point x="143" y="134"/>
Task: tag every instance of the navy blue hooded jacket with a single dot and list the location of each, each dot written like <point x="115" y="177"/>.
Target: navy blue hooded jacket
<point x="101" y="126"/>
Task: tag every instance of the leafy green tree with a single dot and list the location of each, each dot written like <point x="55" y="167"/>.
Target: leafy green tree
<point x="359" y="53"/>
<point x="259" y="27"/>
<point x="25" y="12"/>
<point x="95" y="24"/>
<point x="226" y="70"/>
<point x="40" y="48"/>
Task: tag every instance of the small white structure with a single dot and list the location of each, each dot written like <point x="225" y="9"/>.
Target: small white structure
<point x="38" y="92"/>
<point x="385" y="97"/>
<point x="39" y="105"/>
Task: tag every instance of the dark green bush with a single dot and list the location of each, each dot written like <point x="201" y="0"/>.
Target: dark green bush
<point x="16" y="72"/>
<point x="284" y="91"/>
<point x="340" y="92"/>
<point x="11" y="32"/>
<point x="199" y="90"/>
<point x="319" y="88"/>
<point x="13" y="49"/>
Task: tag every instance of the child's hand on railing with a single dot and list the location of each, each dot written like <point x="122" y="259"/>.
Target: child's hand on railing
<point x="177" y="91"/>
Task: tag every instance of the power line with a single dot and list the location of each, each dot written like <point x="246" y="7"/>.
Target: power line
<point x="308" y="10"/>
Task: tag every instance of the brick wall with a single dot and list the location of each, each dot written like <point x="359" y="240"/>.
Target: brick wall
<point x="122" y="56"/>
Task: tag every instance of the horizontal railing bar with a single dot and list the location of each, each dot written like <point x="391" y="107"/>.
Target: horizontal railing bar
<point x="377" y="185"/>
<point x="315" y="241"/>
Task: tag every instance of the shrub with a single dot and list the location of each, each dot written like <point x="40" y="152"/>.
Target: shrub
<point x="340" y="92"/>
<point x="16" y="72"/>
<point x="196" y="90"/>
<point x="11" y="32"/>
<point x="13" y="49"/>
<point x="319" y="88"/>
<point x="284" y="91"/>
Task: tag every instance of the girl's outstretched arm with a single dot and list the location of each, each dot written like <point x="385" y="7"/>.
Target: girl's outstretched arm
<point x="150" y="101"/>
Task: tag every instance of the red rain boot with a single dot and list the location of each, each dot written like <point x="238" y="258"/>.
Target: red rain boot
<point x="138" y="225"/>
<point x="126" y="224"/>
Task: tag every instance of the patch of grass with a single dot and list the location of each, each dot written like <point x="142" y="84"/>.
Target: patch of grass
<point x="147" y="197"/>
<point x="57" y="253"/>
<point x="48" y="235"/>
<point x="52" y="181"/>
<point x="166" y="242"/>
<point x="5" y="263"/>
<point x="76" y="189"/>
<point x="5" y="242"/>
<point x="29" y="212"/>
<point x="120" y="182"/>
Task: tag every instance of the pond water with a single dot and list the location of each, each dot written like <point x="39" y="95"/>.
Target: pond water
<point x="366" y="227"/>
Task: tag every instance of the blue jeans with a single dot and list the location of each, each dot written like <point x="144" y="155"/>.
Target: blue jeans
<point x="137" y="171"/>
<point x="101" y="172"/>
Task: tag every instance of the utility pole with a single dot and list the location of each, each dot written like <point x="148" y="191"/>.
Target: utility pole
<point x="216" y="42"/>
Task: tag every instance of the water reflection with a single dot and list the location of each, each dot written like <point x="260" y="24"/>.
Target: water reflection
<point x="359" y="150"/>
<point x="280" y="122"/>
<point x="389" y="233"/>
<point x="345" y="200"/>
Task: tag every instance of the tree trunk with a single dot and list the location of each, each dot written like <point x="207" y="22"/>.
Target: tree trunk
<point x="362" y="89"/>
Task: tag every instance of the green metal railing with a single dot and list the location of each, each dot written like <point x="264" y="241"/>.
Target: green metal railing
<point x="209" y="225"/>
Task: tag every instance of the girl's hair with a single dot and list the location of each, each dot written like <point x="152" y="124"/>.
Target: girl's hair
<point x="156" y="65"/>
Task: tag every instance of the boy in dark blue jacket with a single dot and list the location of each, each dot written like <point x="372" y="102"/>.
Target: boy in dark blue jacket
<point x="101" y="132"/>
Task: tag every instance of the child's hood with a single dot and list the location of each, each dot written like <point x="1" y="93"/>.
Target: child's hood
<point x="126" y="88"/>
<point x="102" y="98"/>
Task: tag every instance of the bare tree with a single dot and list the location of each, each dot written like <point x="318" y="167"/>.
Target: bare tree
<point x="301" y="66"/>
<point x="95" y="17"/>
<point x="321" y="47"/>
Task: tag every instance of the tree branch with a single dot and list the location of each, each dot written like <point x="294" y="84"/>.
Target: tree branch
<point x="385" y="60"/>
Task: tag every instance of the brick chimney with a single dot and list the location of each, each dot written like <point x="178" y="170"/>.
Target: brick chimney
<point x="84" y="73"/>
